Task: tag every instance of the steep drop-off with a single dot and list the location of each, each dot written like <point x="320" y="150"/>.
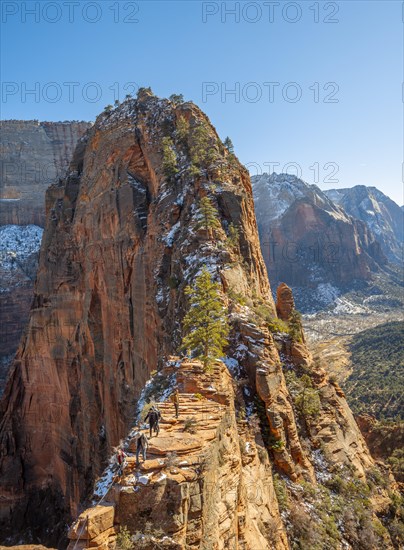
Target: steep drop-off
<point x="119" y="248"/>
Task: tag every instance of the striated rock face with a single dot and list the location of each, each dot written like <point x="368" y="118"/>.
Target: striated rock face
<point x="33" y="155"/>
<point x="307" y="240"/>
<point x="120" y="246"/>
<point x="382" y="215"/>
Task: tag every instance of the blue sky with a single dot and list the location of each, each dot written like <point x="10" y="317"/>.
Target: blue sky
<point x="335" y="115"/>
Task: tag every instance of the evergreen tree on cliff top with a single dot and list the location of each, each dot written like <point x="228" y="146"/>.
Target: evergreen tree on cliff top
<point x="205" y="325"/>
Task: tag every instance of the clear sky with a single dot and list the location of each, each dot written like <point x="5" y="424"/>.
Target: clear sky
<point x="317" y="85"/>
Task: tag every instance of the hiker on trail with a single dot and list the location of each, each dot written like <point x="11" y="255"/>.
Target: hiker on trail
<point x="141" y="445"/>
<point x="154" y="416"/>
<point x="175" y="398"/>
<point x="121" y="461"/>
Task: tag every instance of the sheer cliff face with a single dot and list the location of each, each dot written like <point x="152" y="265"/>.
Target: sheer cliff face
<point x="382" y="215"/>
<point x="105" y="311"/>
<point x="119" y="248"/>
<point x="33" y="155"/>
<point x="307" y="240"/>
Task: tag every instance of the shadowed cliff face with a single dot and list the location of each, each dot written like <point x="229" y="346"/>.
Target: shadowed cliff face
<point x="33" y="155"/>
<point x="382" y="215"/>
<point x="119" y="248"/>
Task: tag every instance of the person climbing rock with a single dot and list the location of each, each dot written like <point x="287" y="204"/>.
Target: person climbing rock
<point x="175" y="398"/>
<point x="141" y="445"/>
<point x="153" y="416"/>
<point x="121" y="461"/>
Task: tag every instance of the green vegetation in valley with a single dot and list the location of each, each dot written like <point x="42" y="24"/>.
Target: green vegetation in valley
<point x="321" y="516"/>
<point x="377" y="380"/>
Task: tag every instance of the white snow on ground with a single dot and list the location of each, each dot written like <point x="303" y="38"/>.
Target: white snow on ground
<point x="232" y="364"/>
<point x="136" y="184"/>
<point x="321" y="466"/>
<point x="17" y="242"/>
<point x="160" y="295"/>
<point x="327" y="293"/>
<point x="161" y="477"/>
<point x="169" y="238"/>
<point x="144" y="479"/>
<point x="105" y="480"/>
<point x="197" y="262"/>
<point x="344" y="306"/>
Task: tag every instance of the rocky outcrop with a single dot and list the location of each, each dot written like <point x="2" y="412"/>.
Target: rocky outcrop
<point x="207" y="487"/>
<point x="383" y="440"/>
<point x="308" y="241"/>
<point x="382" y="215"/>
<point x="33" y="155"/>
<point x="121" y="245"/>
<point x="285" y="303"/>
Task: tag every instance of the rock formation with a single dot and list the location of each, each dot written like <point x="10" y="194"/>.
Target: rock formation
<point x="205" y="483"/>
<point x="120" y="246"/>
<point x="32" y="156"/>
<point x="307" y="240"/>
<point x="382" y="215"/>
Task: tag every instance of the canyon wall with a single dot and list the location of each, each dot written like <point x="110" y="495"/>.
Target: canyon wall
<point x="382" y="215"/>
<point x="308" y="241"/>
<point x="33" y="155"/>
<point x="122" y="242"/>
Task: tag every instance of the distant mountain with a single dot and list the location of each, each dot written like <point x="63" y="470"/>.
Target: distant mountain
<point x="311" y="243"/>
<point x="382" y="215"/>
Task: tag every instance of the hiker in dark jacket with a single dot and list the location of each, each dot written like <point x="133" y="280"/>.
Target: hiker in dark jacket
<point x="153" y="416"/>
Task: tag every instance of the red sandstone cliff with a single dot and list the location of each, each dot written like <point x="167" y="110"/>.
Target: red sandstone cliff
<point x="118" y="251"/>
